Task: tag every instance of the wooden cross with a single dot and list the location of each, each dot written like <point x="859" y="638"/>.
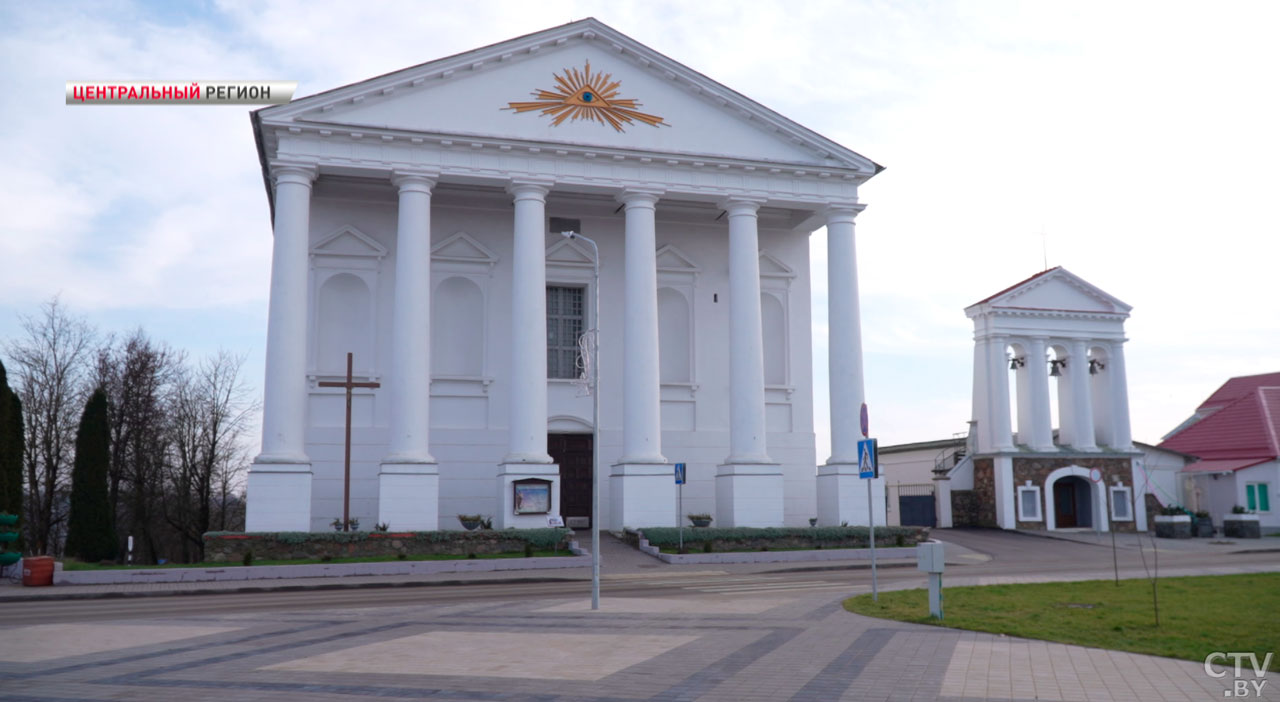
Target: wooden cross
<point x="346" y="460"/>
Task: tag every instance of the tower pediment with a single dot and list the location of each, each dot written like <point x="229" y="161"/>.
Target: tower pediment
<point x="1057" y="291"/>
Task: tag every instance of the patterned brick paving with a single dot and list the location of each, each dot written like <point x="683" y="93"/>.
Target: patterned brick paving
<point x="803" y="647"/>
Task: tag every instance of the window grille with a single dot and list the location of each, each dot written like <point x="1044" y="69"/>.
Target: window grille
<point x="565" y="317"/>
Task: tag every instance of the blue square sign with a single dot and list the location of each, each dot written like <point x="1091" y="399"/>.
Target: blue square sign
<point x="679" y="474"/>
<point x="868" y="465"/>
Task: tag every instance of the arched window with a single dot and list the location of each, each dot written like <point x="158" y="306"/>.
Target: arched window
<point x="344" y="325"/>
<point x="673" y="337"/>
<point x="773" y="323"/>
<point x="457" y="328"/>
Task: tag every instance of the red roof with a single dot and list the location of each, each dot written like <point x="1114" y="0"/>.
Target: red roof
<point x="1015" y="285"/>
<point x="1240" y="428"/>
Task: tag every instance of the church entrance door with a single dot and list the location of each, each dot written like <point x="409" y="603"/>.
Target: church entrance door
<point x="574" y="454"/>
<point x="1071" y="503"/>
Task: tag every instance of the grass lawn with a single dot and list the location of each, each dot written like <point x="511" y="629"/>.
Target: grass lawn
<point x="1198" y="615"/>
<point x="77" y="565"/>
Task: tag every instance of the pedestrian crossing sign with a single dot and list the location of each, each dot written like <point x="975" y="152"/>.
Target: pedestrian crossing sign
<point x="868" y="465"/>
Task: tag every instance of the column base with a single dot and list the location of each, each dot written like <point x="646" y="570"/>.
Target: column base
<point x="842" y="496"/>
<point x="749" y="495"/>
<point x="409" y="496"/>
<point x="508" y="473"/>
<point x="642" y="495"/>
<point x="279" y="497"/>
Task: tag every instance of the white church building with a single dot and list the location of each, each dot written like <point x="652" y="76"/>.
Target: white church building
<point x="417" y="227"/>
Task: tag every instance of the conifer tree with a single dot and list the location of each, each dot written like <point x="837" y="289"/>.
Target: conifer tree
<point x="11" y="445"/>
<point x="90" y="535"/>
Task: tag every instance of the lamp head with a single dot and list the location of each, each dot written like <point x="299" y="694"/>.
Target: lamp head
<point x="568" y="234"/>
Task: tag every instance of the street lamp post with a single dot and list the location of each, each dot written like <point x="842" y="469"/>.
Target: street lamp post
<point x="594" y="331"/>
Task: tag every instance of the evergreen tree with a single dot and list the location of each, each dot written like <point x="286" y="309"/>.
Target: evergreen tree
<point x="90" y="536"/>
<point x="11" y="445"/>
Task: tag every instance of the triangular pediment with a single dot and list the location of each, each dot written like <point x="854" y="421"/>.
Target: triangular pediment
<point x="473" y="93"/>
<point x="349" y="241"/>
<point x="771" y="267"/>
<point x="567" y="252"/>
<point x="1056" y="290"/>
<point x="462" y="248"/>
<point x="673" y="260"/>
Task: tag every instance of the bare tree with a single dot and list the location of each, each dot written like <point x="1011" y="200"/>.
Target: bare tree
<point x="210" y="415"/>
<point x="139" y="377"/>
<point x="51" y="367"/>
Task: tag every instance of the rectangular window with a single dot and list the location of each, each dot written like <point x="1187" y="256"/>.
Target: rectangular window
<point x="565" y="315"/>
<point x="1257" y="497"/>
<point x="1029" y="503"/>
<point x="1121" y="510"/>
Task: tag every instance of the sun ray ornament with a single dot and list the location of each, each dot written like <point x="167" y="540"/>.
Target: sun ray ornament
<point x="581" y="95"/>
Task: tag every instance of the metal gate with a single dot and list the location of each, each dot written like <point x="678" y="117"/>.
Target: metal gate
<point x="916" y="504"/>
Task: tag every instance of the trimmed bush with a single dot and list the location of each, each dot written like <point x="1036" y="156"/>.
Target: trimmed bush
<point x="774" y="538"/>
<point x="223" y="546"/>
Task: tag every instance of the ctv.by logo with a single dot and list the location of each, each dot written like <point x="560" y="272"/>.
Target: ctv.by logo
<point x="1240" y="686"/>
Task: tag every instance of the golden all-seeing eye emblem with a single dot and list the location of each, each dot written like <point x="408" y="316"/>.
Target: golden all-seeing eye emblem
<point x="587" y="97"/>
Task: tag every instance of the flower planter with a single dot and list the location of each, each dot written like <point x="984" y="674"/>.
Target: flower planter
<point x="1241" y="526"/>
<point x="1177" y="526"/>
<point x="700" y="522"/>
<point x="1204" y="528"/>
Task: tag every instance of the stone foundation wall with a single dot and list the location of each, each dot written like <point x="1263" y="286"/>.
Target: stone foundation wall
<point x="221" y="547"/>
<point x="1037" y="470"/>
<point x="984" y="491"/>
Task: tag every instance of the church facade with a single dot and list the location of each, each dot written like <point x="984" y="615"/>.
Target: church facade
<point x="418" y="220"/>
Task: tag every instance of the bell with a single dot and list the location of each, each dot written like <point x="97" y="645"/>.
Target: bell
<point x="1053" y="369"/>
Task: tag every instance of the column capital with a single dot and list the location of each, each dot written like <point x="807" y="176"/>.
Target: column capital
<point x="737" y="205"/>
<point x="640" y="197"/>
<point x="294" y="172"/>
<point x="530" y="188"/>
<point x="414" y="180"/>
<point x="842" y="212"/>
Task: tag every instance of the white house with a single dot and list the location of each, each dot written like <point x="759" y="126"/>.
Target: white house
<point x="1234" y="436"/>
<point x="417" y="219"/>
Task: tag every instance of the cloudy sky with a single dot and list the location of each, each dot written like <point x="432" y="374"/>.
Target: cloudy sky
<point x="1133" y="143"/>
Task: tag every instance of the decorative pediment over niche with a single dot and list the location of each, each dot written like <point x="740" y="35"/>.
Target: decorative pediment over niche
<point x="568" y="252"/>
<point x="1056" y="290"/>
<point x="462" y="248"/>
<point x="771" y="267"/>
<point x="348" y="249"/>
<point x="673" y="260"/>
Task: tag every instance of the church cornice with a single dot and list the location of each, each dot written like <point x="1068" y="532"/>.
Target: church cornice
<point x="493" y="160"/>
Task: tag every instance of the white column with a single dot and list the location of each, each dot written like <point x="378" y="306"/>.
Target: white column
<point x="844" y="336"/>
<point x="279" y="490"/>
<point x="748" y="484"/>
<point x="1120" y="399"/>
<point x="746" y="344"/>
<point x="1023" y="411"/>
<point x="642" y="491"/>
<point x="980" y="424"/>
<point x="1037" y="370"/>
<point x="527" y="413"/>
<point x="527" y="424"/>
<point x="642" y="426"/>
<point x="842" y="496"/>
<point x="408" y="483"/>
<point x="1081" y="407"/>
<point x="998" y="370"/>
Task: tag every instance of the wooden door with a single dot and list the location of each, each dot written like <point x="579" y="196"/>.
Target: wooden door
<point x="573" y="453"/>
<point x="1064" y="504"/>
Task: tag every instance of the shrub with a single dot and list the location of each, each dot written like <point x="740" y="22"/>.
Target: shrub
<point x="248" y="558"/>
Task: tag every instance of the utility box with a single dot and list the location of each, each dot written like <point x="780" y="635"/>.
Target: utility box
<point x="930" y="556"/>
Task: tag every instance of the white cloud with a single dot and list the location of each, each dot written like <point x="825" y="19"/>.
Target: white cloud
<point x="1138" y="137"/>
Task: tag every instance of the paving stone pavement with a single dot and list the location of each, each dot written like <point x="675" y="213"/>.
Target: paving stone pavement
<point x="703" y="647"/>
